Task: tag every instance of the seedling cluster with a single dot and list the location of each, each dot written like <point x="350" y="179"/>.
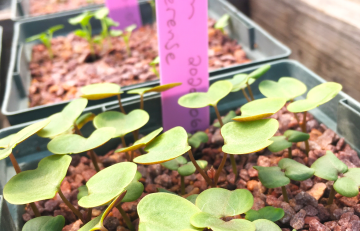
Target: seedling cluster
<point x="215" y="208"/>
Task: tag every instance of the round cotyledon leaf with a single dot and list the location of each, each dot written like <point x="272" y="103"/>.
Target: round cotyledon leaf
<point x="269" y="213"/>
<point x="166" y="212"/>
<point x="223" y="203"/>
<point x="100" y="91"/>
<point x="259" y="109"/>
<point x="266" y="225"/>
<point x="260" y="71"/>
<point x="64" y="120"/>
<point x="189" y="168"/>
<point x="84" y="119"/>
<point x="161" y="88"/>
<point x="239" y="82"/>
<point x="123" y="124"/>
<point x="141" y="142"/>
<point x="296" y="136"/>
<point x="39" y="184"/>
<point x="294" y="170"/>
<point x="348" y="185"/>
<point x="105" y="185"/>
<point x="316" y="97"/>
<point x="174" y="164"/>
<point x="9" y="142"/>
<point x="279" y="143"/>
<point x="158" y="150"/>
<point x="216" y="92"/>
<point x="328" y="167"/>
<point x="83" y="191"/>
<point x="248" y="137"/>
<point x="73" y="143"/>
<point x="287" y="88"/>
<point x="45" y="223"/>
<point x="272" y="177"/>
<point x="206" y="220"/>
<point x="198" y="138"/>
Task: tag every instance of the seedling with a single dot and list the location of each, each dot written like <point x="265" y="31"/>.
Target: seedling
<point x="274" y="177"/>
<point x="346" y="181"/>
<point x="198" y="138"/>
<point x="269" y="213"/>
<point x="315" y="97"/>
<point x="239" y="83"/>
<point x="228" y="118"/>
<point x="286" y="141"/>
<point x="154" y="64"/>
<point x="184" y="168"/>
<point x="260" y="109"/>
<point x="40" y="184"/>
<point x="126" y="36"/>
<point x="246" y="137"/>
<point x="45" y="223"/>
<point x="222" y="23"/>
<point x="123" y="123"/>
<point x="142" y="91"/>
<point x="46" y="38"/>
<point x="86" y="30"/>
<point x="84" y="119"/>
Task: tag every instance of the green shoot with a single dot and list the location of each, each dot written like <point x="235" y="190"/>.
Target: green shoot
<point x="154" y="64"/>
<point x="126" y="36"/>
<point x="222" y="23"/>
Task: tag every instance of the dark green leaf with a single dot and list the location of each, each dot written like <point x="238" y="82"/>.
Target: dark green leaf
<point x="269" y="213"/>
<point x="272" y="177"/>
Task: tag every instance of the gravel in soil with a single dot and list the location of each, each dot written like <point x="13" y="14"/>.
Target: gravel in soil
<point x="307" y="210"/>
<point x="73" y="66"/>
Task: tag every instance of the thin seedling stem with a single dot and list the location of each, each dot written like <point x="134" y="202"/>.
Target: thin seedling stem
<point x="222" y="164"/>
<point x="126" y="218"/>
<point x="206" y="177"/>
<point x="124" y="146"/>
<point x="286" y="198"/>
<point x="295" y="115"/>
<point x="250" y="91"/>
<point x="245" y="94"/>
<point x="75" y="211"/>
<point x="89" y="214"/>
<point x="77" y="130"/>
<point x="218" y="116"/>
<point x="94" y="160"/>
<point x="142" y="102"/>
<point x="289" y="153"/>
<point x="303" y="128"/>
<point x="233" y="165"/>
<point x="35" y="209"/>
<point x="182" y="185"/>
<point x="120" y="104"/>
<point x="331" y="196"/>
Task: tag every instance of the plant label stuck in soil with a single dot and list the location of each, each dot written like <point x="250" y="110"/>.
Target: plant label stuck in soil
<point x="183" y="50"/>
<point x="125" y="12"/>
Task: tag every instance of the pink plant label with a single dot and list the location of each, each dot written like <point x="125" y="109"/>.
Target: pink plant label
<point x="125" y="12"/>
<point x="183" y="49"/>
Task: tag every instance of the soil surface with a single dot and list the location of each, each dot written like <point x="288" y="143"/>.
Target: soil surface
<point x="74" y="67"/>
<point x="307" y="210"/>
<point x="40" y="7"/>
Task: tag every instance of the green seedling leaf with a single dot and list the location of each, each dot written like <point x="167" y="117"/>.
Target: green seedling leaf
<point x="260" y="71"/>
<point x="328" y="167"/>
<point x="296" y="136"/>
<point x="73" y="143"/>
<point x="100" y="91"/>
<point x="192" y="198"/>
<point x="174" y="139"/>
<point x="248" y="137"/>
<point x="266" y="225"/>
<point x="189" y="168"/>
<point x="206" y="220"/>
<point x="84" y="119"/>
<point x="216" y="92"/>
<point x="272" y="177"/>
<point x="239" y="81"/>
<point x="259" y="109"/>
<point x="83" y="191"/>
<point x="155" y="61"/>
<point x="8" y="143"/>
<point x="175" y="164"/>
<point x="269" y="213"/>
<point x="198" y="138"/>
<point x="228" y="118"/>
<point x="141" y="142"/>
<point x="287" y="88"/>
<point x="116" y="33"/>
<point x="123" y="124"/>
<point x="294" y="170"/>
<point x="64" y="120"/>
<point x="130" y="28"/>
<point x="101" y="13"/>
<point x="109" y="22"/>
<point x="91" y="225"/>
<point x="348" y="185"/>
<point x="82" y="19"/>
<point x="55" y="28"/>
<point x="166" y="212"/>
<point x="224" y="203"/>
<point x="81" y="33"/>
<point x="161" y="88"/>
<point x="110" y="182"/>
<point x="316" y="97"/>
<point x="279" y="143"/>
<point x="39" y="184"/>
<point x="45" y="223"/>
<point x="222" y="22"/>
<point x="134" y="191"/>
<point x="162" y="190"/>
